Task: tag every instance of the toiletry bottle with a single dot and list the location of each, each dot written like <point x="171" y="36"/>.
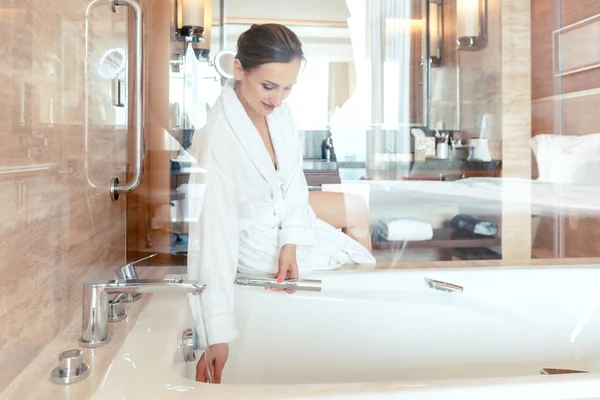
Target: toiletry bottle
<point x="327" y="149"/>
<point x="441" y="148"/>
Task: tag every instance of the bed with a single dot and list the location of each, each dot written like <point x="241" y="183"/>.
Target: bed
<point x="567" y="190"/>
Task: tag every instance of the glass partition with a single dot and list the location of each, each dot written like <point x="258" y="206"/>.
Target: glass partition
<point x="411" y="111"/>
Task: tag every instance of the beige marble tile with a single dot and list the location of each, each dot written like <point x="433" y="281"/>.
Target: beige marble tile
<point x="480" y="82"/>
<point x="444" y="79"/>
<point x="516" y="121"/>
<point x="46" y="359"/>
<point x="497" y="81"/>
<point x="59" y="227"/>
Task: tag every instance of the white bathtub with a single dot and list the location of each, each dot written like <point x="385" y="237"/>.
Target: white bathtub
<point x="384" y="335"/>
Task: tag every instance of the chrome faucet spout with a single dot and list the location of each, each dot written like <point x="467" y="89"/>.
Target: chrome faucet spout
<point x="94" y="315"/>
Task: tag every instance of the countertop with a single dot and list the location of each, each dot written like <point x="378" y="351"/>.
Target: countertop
<point x="318" y="164"/>
<point x="321" y="165"/>
<point x="431" y="164"/>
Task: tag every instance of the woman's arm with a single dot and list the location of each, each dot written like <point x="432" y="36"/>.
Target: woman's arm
<point x="213" y="255"/>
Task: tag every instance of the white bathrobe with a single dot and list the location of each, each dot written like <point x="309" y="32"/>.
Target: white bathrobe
<point x="243" y="210"/>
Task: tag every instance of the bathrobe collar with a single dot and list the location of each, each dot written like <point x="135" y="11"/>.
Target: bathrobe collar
<point x="250" y="139"/>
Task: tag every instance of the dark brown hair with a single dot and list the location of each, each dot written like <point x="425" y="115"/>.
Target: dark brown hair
<point x="267" y="43"/>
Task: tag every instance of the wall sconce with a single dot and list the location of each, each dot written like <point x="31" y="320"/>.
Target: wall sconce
<point x="436" y="32"/>
<point x="189" y="20"/>
<point x="202" y="49"/>
<point x="471" y="24"/>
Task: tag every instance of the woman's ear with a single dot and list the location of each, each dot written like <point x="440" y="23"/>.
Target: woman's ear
<point x="238" y="71"/>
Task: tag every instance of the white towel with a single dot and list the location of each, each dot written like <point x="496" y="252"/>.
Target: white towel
<point x="405" y="229"/>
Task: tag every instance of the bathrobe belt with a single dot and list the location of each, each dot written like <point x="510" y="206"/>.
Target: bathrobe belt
<point x="267" y="218"/>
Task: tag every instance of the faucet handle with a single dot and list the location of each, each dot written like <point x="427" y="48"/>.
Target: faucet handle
<point x="71" y="368"/>
<point x="116" y="312"/>
<point x="129" y="271"/>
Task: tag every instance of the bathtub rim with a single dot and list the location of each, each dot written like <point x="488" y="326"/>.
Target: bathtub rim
<point x="137" y="384"/>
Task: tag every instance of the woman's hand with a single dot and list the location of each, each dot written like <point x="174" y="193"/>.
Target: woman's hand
<point x="288" y="266"/>
<point x="218" y="358"/>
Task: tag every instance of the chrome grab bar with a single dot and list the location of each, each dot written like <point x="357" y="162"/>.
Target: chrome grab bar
<point x="138" y="169"/>
<point x="443" y="286"/>
<point x="307" y="285"/>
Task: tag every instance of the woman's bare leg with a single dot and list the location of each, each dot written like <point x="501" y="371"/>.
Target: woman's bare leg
<point x="344" y="211"/>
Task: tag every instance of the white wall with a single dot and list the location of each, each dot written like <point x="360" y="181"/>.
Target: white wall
<point x="332" y="44"/>
<point x="316" y="10"/>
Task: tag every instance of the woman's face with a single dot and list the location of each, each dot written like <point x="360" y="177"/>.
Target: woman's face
<point x="265" y="87"/>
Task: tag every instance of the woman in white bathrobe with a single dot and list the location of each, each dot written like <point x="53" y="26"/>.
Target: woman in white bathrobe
<point x="254" y="215"/>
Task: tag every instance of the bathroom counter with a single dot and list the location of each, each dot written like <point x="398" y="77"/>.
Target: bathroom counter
<point x="318" y="171"/>
<point x="317" y="164"/>
<point x="467" y="165"/>
<point x="444" y="169"/>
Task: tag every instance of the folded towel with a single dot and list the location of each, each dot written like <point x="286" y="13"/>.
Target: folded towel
<point x="404" y="229"/>
<point x="470" y="224"/>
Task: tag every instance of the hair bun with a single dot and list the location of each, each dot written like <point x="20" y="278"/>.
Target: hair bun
<point x="267" y="43"/>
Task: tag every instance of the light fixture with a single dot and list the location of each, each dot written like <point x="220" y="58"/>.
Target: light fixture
<point x="202" y="49"/>
<point x="471" y="24"/>
<point x="189" y="20"/>
<point x="436" y="32"/>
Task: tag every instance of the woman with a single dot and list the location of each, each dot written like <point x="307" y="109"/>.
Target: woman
<point x="255" y="213"/>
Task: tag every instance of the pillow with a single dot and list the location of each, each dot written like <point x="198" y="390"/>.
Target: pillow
<point x="567" y="158"/>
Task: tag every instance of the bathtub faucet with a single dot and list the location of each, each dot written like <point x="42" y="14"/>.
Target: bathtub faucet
<point x="94" y="313"/>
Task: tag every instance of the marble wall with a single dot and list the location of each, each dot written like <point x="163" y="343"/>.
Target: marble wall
<point x="445" y="78"/>
<point x="494" y="80"/>
<point x="468" y="83"/>
<point x="59" y="226"/>
<point x="480" y="78"/>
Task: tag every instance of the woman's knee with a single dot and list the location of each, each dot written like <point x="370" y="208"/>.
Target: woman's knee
<point x="329" y="207"/>
<point x="341" y="210"/>
<point x="356" y="208"/>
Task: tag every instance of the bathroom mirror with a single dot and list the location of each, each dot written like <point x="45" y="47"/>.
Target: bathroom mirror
<point x="223" y="62"/>
<point x="112" y="64"/>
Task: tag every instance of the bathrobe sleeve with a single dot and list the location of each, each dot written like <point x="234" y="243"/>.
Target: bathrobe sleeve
<point x="298" y="225"/>
<point x="213" y="257"/>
